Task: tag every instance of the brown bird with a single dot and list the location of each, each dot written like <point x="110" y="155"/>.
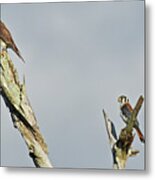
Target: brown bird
<point x="126" y="112"/>
<point x="7" y="40"/>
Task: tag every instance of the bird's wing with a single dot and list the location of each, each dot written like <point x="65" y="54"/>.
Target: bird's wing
<point x="126" y="110"/>
<point x="5" y="35"/>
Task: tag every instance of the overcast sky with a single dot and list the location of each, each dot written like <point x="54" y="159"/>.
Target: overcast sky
<point x="79" y="58"/>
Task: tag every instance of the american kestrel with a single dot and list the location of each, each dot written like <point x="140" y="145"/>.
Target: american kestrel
<point x="6" y="40"/>
<point x="126" y="111"/>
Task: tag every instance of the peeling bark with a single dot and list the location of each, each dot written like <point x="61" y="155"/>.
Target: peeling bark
<point x="23" y="117"/>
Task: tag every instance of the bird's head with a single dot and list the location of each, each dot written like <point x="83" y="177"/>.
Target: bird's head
<point x="122" y="100"/>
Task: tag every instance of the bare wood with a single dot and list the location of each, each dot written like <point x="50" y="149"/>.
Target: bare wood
<point x="133" y="118"/>
<point x="23" y="117"/>
<point x="121" y="147"/>
<point x="108" y="123"/>
<point x="138" y="106"/>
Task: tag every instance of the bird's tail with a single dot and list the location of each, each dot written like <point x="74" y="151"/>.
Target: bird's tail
<point x="16" y="50"/>
<point x="140" y="135"/>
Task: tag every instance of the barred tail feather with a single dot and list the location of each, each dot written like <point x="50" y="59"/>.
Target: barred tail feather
<point x="18" y="52"/>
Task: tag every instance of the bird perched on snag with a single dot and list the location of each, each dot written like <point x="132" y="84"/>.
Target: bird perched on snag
<point x="7" y="41"/>
<point x="126" y="112"/>
<point x="120" y="147"/>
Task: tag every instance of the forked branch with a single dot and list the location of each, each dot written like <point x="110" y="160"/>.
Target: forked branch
<point x="121" y="148"/>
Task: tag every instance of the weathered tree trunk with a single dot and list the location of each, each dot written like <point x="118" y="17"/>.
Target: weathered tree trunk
<point x="15" y="97"/>
<point x="121" y="147"/>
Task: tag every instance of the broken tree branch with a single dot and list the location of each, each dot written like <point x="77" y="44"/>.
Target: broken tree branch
<point x="121" y="148"/>
<point x="23" y="117"/>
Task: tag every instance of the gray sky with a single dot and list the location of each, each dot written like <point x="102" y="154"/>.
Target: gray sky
<point x="79" y="58"/>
